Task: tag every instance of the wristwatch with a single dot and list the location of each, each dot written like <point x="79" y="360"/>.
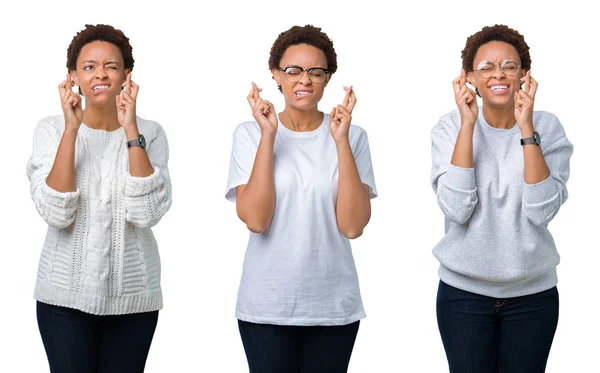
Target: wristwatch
<point x="535" y="139"/>
<point x="140" y="141"/>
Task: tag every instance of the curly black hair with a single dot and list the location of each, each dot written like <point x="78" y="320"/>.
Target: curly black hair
<point x="307" y="34"/>
<point x="495" y="33"/>
<point x="99" y="33"/>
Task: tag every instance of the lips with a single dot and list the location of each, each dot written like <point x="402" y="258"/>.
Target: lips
<point x="302" y="93"/>
<point x="100" y="88"/>
<point x="499" y="88"/>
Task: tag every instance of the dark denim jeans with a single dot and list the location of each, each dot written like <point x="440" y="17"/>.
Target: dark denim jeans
<point x="298" y="349"/>
<point x="488" y="335"/>
<point x="79" y="342"/>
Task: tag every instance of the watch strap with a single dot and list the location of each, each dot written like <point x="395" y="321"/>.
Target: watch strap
<point x="137" y="142"/>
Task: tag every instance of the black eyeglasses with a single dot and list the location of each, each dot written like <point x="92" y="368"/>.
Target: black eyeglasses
<point x="293" y="74"/>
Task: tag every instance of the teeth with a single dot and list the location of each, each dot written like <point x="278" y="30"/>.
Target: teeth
<point x="300" y="93"/>
<point x="498" y="87"/>
<point x="98" y="87"/>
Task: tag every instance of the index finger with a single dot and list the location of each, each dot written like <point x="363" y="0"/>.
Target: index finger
<point x="352" y="101"/>
<point x="134" y="90"/>
<point x="128" y="83"/>
<point x="533" y="89"/>
<point x="64" y="86"/>
<point x="255" y="91"/>
<point x="347" y="96"/>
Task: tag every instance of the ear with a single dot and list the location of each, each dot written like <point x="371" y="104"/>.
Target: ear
<point x="327" y="80"/>
<point x="74" y="79"/>
<point x="471" y="78"/>
<point x="277" y="76"/>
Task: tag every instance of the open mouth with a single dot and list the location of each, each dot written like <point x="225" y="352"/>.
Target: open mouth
<point x="300" y="94"/>
<point x="100" y="88"/>
<point x="499" y="88"/>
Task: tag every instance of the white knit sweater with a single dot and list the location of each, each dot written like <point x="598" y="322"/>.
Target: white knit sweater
<point x="100" y="255"/>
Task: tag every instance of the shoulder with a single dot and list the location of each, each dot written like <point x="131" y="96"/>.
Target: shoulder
<point x="447" y="124"/>
<point x="357" y="135"/>
<point x="547" y="122"/>
<point x="249" y="129"/>
<point x="149" y="128"/>
<point x="52" y="125"/>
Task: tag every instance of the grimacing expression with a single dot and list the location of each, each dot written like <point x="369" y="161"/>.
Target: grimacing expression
<point x="304" y="94"/>
<point x="100" y="72"/>
<point x="497" y="87"/>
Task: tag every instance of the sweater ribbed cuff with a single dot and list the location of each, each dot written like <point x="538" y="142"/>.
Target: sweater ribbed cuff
<point x="140" y="186"/>
<point x="458" y="178"/>
<point x="535" y="194"/>
<point x="59" y="199"/>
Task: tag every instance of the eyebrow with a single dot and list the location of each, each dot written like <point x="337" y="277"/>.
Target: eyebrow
<point x="314" y="67"/>
<point x="107" y="63"/>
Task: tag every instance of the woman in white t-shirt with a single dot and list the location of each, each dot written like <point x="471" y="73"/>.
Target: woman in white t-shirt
<point x="302" y="182"/>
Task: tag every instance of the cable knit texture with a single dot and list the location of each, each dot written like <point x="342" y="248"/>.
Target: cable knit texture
<point x="100" y="255"/>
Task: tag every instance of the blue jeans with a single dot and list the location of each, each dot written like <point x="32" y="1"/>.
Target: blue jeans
<point x="79" y="342"/>
<point x="488" y="335"/>
<point x="298" y="349"/>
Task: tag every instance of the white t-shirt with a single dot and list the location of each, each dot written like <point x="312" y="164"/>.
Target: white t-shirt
<point x="301" y="270"/>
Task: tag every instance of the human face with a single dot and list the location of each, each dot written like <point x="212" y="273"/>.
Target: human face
<point x="499" y="89"/>
<point x="100" y="72"/>
<point x="304" y="94"/>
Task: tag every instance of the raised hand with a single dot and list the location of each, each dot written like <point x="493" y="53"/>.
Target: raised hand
<point x="71" y="104"/>
<point x="524" y="100"/>
<point x="126" y="102"/>
<point x="341" y="116"/>
<point x="466" y="99"/>
<point x="263" y="111"/>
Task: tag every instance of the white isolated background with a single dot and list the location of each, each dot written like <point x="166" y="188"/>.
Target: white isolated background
<point x="194" y="65"/>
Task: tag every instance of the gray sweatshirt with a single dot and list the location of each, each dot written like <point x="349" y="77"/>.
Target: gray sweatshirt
<point x="497" y="241"/>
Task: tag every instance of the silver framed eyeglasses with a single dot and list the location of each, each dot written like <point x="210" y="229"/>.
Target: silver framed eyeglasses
<point x="486" y="69"/>
<point x="293" y="74"/>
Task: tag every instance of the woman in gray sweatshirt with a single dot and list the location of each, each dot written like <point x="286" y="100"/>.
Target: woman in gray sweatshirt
<point x="499" y="172"/>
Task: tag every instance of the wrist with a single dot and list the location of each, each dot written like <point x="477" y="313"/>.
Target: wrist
<point x="131" y="132"/>
<point x="526" y="131"/>
<point x="342" y="143"/>
<point x="70" y="133"/>
<point x="268" y="134"/>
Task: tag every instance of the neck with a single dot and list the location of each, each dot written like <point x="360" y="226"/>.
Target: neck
<point x="500" y="117"/>
<point x="301" y="120"/>
<point x="101" y="117"/>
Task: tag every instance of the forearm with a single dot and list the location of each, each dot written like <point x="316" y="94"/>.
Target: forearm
<point x="62" y="175"/>
<point x="139" y="162"/>
<point x="256" y="200"/>
<point x="353" y="205"/>
<point x="463" y="149"/>
<point x="535" y="167"/>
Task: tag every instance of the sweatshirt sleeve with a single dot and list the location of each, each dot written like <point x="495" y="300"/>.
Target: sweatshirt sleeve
<point x="57" y="209"/>
<point x="454" y="186"/>
<point x="147" y="199"/>
<point x="542" y="201"/>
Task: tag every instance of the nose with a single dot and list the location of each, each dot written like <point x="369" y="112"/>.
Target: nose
<point x="498" y="72"/>
<point x="305" y="79"/>
<point x="101" y="73"/>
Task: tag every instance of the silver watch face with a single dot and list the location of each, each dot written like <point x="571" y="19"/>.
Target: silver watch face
<point x="536" y="138"/>
<point x="142" y="141"/>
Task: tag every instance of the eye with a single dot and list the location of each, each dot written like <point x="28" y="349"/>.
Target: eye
<point x="293" y="71"/>
<point x="88" y="67"/>
<point x="317" y="73"/>
<point x="487" y="68"/>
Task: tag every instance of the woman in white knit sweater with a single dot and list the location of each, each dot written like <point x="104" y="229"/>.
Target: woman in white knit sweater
<point x="99" y="178"/>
